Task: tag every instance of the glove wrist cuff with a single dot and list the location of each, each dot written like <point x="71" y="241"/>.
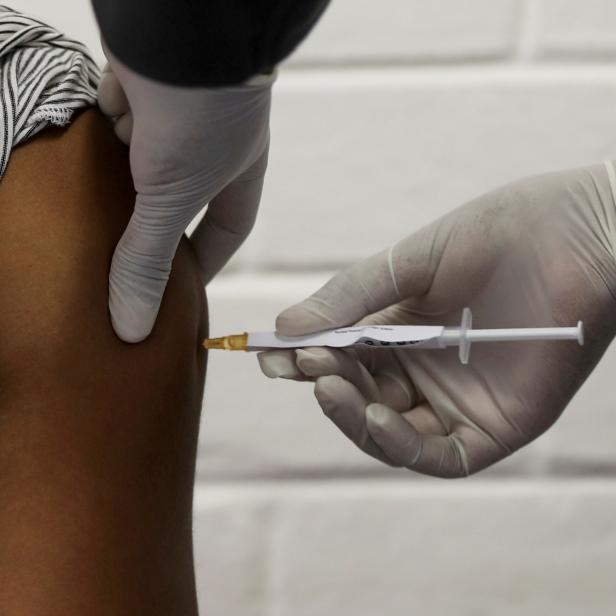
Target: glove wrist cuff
<point x="262" y="79"/>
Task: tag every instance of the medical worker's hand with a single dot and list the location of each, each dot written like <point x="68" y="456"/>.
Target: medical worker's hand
<point x="540" y="252"/>
<point x="188" y="147"/>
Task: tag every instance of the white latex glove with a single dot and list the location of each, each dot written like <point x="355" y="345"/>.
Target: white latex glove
<point x="188" y="147"/>
<point x="540" y="252"/>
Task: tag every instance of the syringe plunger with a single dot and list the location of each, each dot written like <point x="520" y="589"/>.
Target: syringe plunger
<point x="465" y="335"/>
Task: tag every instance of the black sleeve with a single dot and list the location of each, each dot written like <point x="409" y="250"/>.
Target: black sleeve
<point x="205" y="42"/>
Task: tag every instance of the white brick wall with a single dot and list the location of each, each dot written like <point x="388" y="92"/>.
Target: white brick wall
<point x="391" y="149"/>
<point x="392" y="113"/>
<point x="400" y="31"/>
<point x="570" y="29"/>
<point x="382" y="547"/>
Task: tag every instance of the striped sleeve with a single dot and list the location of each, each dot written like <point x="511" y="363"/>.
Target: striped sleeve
<point x="44" y="78"/>
<point x="205" y="42"/>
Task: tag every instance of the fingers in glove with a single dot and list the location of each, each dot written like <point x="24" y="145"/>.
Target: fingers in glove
<point x="389" y="386"/>
<point x="123" y="128"/>
<point x="396" y="390"/>
<point x="403" y="271"/>
<point x="140" y="269"/>
<point x="315" y="362"/>
<point x="111" y="96"/>
<point x="425" y="420"/>
<point x="280" y="364"/>
<point x="228" y="220"/>
<point x="346" y="407"/>
<point x="311" y="363"/>
<point x="430" y="454"/>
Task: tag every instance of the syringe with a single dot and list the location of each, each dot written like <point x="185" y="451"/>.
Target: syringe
<point x="397" y="337"/>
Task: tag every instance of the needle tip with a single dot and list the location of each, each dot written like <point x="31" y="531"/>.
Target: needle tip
<point x="214" y="343"/>
<point x="227" y="343"/>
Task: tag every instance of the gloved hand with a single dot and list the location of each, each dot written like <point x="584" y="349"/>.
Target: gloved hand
<point x="539" y="252"/>
<point x="188" y="147"/>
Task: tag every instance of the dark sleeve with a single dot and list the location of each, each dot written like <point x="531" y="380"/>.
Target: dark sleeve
<point x="205" y="42"/>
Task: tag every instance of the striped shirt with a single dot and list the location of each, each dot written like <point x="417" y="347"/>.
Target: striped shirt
<point x="44" y="78"/>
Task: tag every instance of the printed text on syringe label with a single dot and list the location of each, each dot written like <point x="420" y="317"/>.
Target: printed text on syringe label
<point x="426" y="343"/>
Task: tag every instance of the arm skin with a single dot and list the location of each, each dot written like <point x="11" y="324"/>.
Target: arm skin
<point x="97" y="438"/>
<point x="205" y="42"/>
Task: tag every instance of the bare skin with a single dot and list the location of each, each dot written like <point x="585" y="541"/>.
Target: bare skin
<point x="98" y="438"/>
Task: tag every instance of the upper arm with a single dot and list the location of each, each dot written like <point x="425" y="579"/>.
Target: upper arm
<point x="97" y="437"/>
<point x="64" y="202"/>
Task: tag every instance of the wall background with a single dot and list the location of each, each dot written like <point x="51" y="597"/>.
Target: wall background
<point x="392" y="113"/>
